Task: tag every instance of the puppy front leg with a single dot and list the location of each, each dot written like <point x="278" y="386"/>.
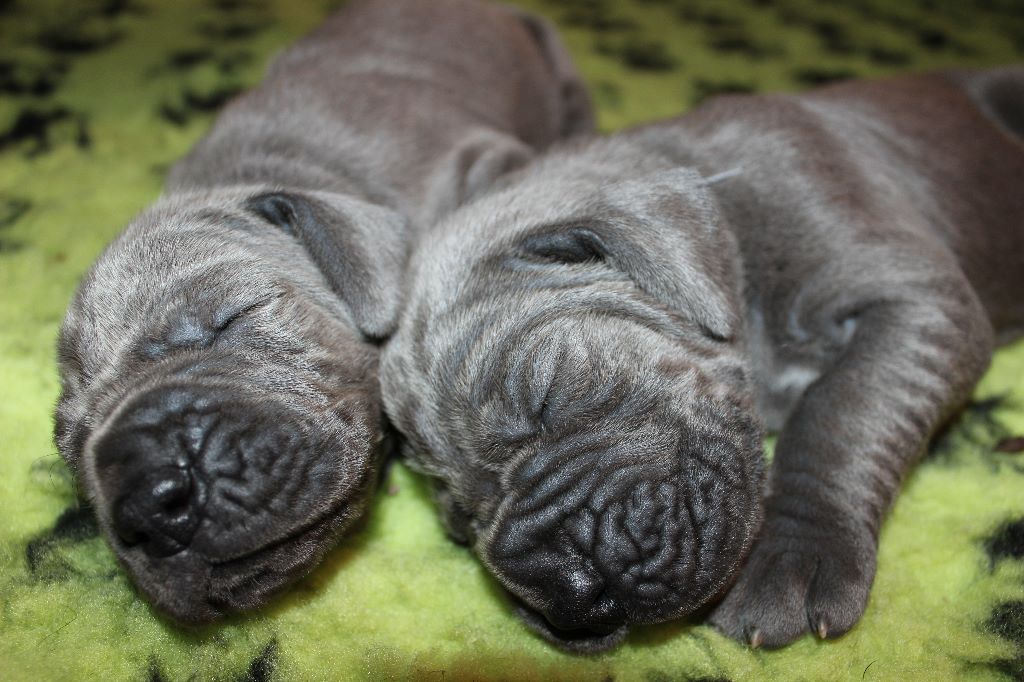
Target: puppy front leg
<point x="914" y="356"/>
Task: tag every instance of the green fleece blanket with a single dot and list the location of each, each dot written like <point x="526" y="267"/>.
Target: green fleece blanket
<point x="100" y="96"/>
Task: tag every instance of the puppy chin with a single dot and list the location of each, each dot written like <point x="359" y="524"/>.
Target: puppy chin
<point x="575" y="641"/>
<point x="179" y="586"/>
<point x="193" y="590"/>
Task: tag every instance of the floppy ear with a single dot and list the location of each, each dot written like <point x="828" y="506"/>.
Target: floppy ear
<point x="999" y="93"/>
<point x="361" y="249"/>
<point x="665" y="233"/>
<point x="577" y="108"/>
<point x="470" y="168"/>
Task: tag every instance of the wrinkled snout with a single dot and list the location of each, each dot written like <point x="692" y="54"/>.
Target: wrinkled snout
<point x="148" y="469"/>
<point x="198" y="487"/>
<point x="600" y="541"/>
<point x="615" y="559"/>
<point x="155" y="465"/>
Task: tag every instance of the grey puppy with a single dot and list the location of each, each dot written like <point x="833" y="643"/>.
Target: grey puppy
<point x="590" y="352"/>
<point x="220" y="399"/>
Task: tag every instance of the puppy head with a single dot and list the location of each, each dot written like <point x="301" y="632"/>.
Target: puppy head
<point x="220" y="401"/>
<point x="570" y="373"/>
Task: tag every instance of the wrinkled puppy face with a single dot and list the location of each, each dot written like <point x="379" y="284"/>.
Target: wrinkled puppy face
<point x="569" y="372"/>
<point x="220" y="403"/>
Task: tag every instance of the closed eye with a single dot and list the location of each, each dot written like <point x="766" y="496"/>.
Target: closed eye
<point x="565" y="245"/>
<point x="188" y="332"/>
<point x="225" y="318"/>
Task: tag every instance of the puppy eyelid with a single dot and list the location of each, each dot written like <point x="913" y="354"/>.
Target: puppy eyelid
<point x="190" y="333"/>
<point x="224" y="318"/>
<point x="565" y="244"/>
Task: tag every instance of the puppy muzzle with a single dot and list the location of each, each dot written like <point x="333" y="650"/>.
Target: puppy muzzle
<point x="196" y="484"/>
<point x="593" y="549"/>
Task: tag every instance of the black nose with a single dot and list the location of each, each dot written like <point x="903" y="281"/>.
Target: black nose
<point x="159" y="511"/>
<point x="569" y="593"/>
<point x="147" y="468"/>
<point x="575" y="611"/>
<point x="579" y="598"/>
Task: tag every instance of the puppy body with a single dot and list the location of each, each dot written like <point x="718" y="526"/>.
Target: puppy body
<point x="411" y="105"/>
<point x="220" y="399"/>
<point x="626" y="313"/>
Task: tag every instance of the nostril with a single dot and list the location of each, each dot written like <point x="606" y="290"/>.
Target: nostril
<point x="172" y="495"/>
<point x="580" y="600"/>
<point x="158" y="513"/>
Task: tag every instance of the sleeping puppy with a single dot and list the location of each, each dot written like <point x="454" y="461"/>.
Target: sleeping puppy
<point x="220" y="399"/>
<point x="589" y="352"/>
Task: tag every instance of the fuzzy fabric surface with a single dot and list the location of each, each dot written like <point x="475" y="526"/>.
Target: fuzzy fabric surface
<point x="98" y="97"/>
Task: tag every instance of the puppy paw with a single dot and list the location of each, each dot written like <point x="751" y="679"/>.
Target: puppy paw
<point x="791" y="586"/>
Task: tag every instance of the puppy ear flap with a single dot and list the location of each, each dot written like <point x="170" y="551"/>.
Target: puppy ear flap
<point x="470" y="168"/>
<point x="999" y="93"/>
<point x="666" y="233"/>
<point x="360" y="248"/>
<point x="577" y="108"/>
